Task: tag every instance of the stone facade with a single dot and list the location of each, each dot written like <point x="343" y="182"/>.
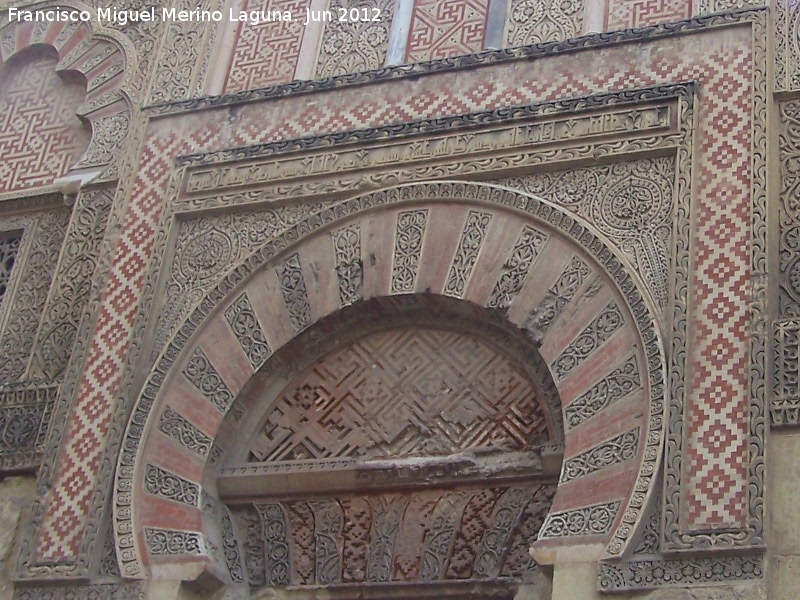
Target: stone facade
<point x="394" y="299"/>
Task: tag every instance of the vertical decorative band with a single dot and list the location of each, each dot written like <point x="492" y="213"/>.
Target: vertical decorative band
<point x="467" y="253"/>
<point x="407" y="249"/>
<point x="527" y="247"/>
<point x="295" y="294"/>
<point x="242" y="319"/>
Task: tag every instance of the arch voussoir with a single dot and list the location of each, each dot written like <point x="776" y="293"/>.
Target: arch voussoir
<point x="586" y="313"/>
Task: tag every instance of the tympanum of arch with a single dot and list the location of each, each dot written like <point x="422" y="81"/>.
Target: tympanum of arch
<point x="603" y="324"/>
<point x="105" y="59"/>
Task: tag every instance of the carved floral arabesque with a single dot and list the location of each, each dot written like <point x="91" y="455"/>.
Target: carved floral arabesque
<point x="647" y="568"/>
<point x="29" y="286"/>
<point x="70" y="291"/>
<point x="786" y="342"/>
<point x="353" y="45"/>
<point x="405" y="536"/>
<point x="630" y="202"/>
<point x="759" y="183"/>
<point x="184" y="55"/>
<point x="486" y="196"/>
<point x="207" y="247"/>
<point x="541" y="21"/>
<point x="787" y="45"/>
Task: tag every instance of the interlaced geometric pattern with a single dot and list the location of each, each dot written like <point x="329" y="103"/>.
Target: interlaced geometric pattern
<point x="266" y="54"/>
<point x="625" y="14"/>
<point x="442" y="28"/>
<point x="622" y="67"/>
<point x="404" y="392"/>
<point x="40" y="135"/>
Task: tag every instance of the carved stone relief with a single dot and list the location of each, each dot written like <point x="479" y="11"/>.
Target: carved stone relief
<point x="159" y="482"/>
<point x="33" y="271"/>
<point x="593" y="336"/>
<point x="556" y="298"/>
<point x="647" y="568"/>
<point x="785" y="408"/>
<point x="245" y="325"/>
<point x="619" y="383"/>
<point x="611" y="452"/>
<point x="295" y="293"/>
<point x="145" y="35"/>
<point x="407" y="249"/>
<point x="25" y="412"/>
<point x="787" y="42"/>
<point x="516" y="267"/>
<point x="589" y="520"/>
<point x="9" y="247"/>
<point x="712" y="6"/>
<point x="630" y="202"/>
<point x="183" y="55"/>
<point x="538" y="21"/>
<point x="113" y="591"/>
<point x="349" y="268"/>
<point x="202" y="374"/>
<point x="403" y="392"/>
<point x="71" y="288"/>
<point x="786" y="401"/>
<point x="207" y="247"/>
<point x="175" y="426"/>
<point x="397" y="537"/>
<point x="353" y="45"/>
<point x="467" y="253"/>
<point x="410" y="196"/>
<point x="790" y="209"/>
<point x="166" y="542"/>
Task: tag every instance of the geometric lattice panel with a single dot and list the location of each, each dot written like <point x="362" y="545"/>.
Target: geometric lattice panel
<point x="403" y="392"/>
<point x="625" y="14"/>
<point x="266" y="53"/>
<point x="40" y="135"/>
<point x="446" y="28"/>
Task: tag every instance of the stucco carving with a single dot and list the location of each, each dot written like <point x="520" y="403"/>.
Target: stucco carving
<point x="631" y="202"/>
<point x="537" y="22"/>
<point x="486" y="196"/>
<point x="35" y="263"/>
<point x="353" y="45"/>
